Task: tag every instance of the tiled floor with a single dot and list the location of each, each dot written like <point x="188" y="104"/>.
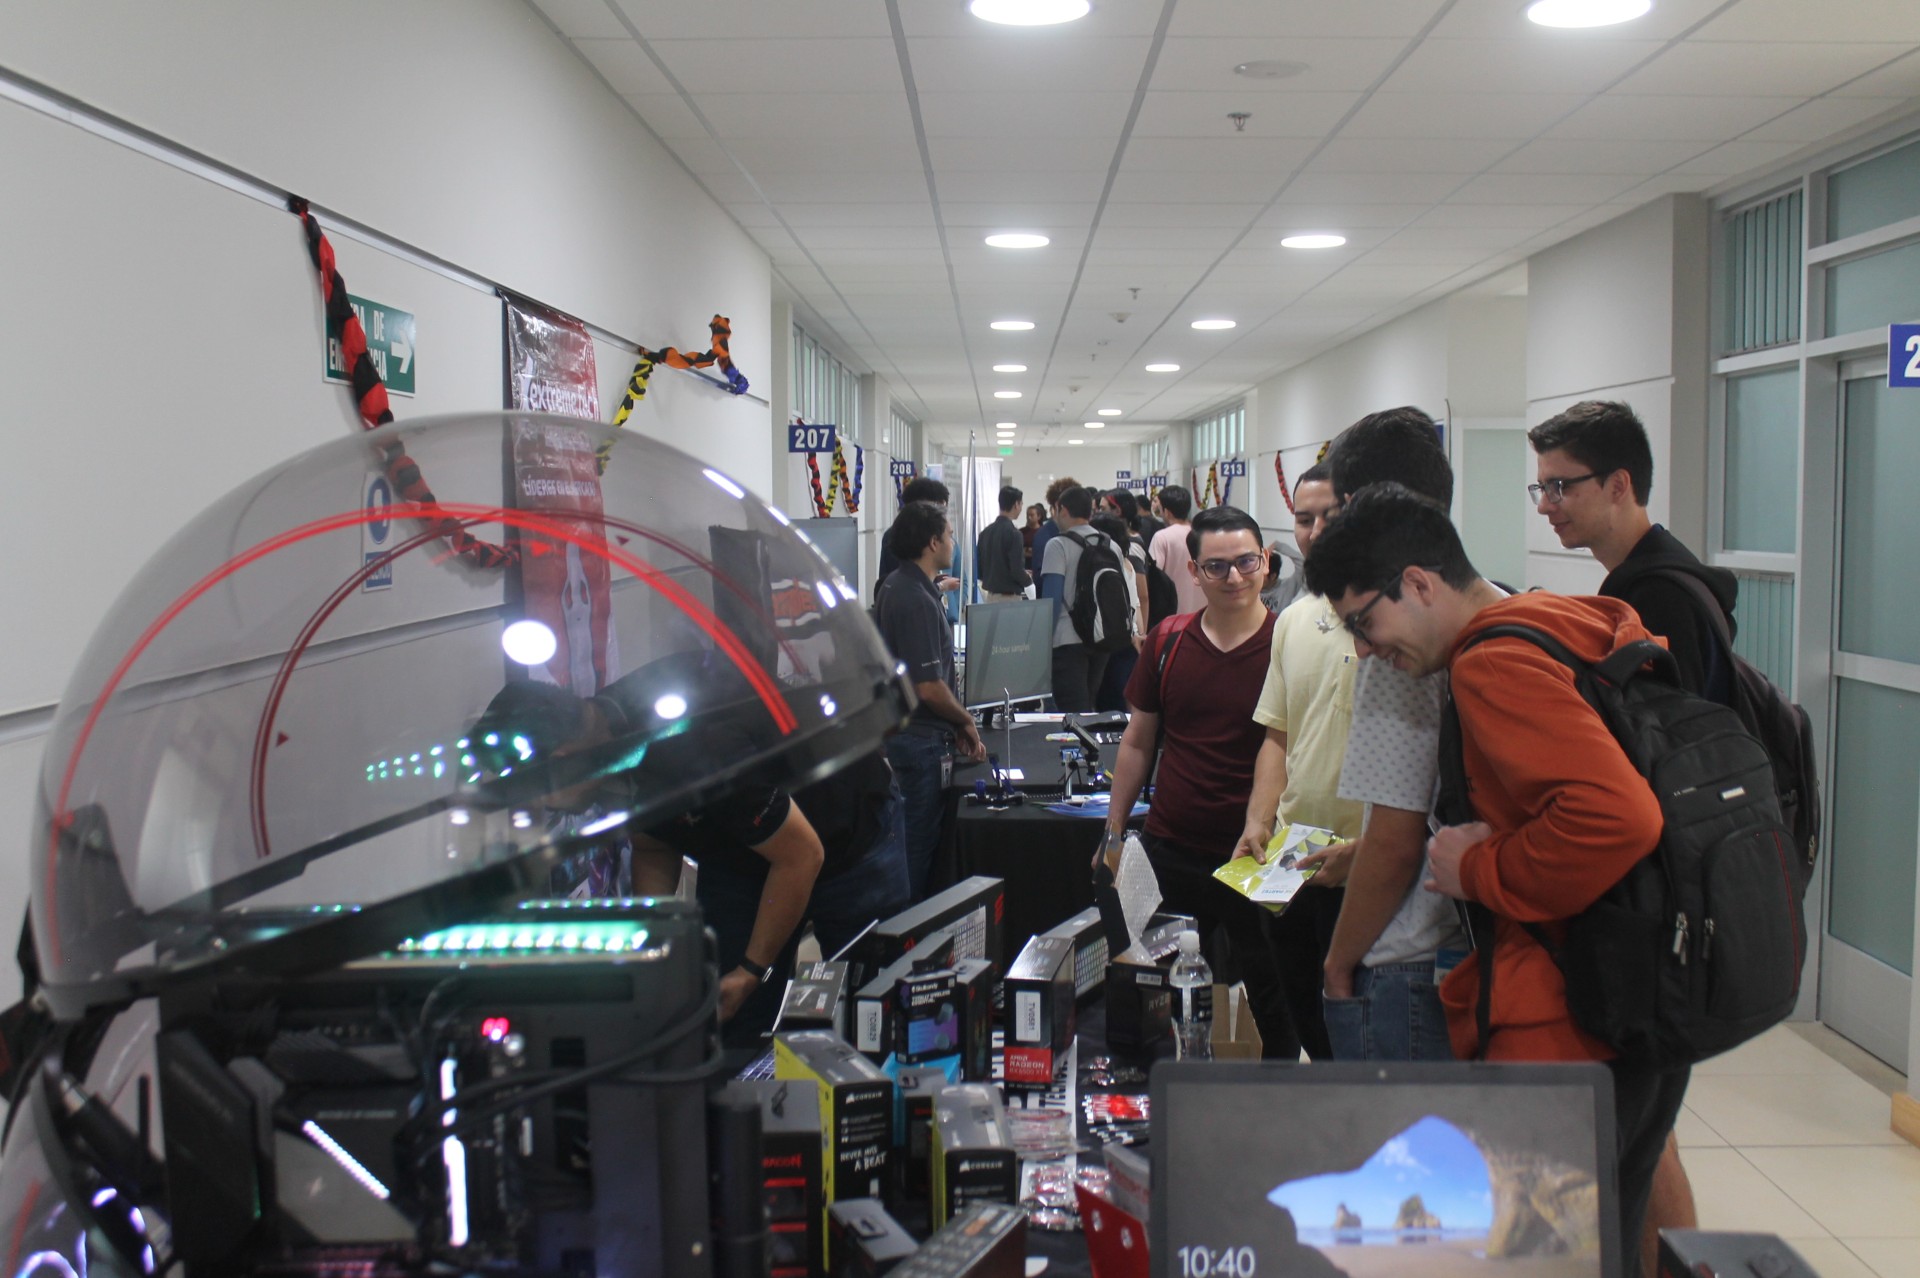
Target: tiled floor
<point x="1781" y="1136"/>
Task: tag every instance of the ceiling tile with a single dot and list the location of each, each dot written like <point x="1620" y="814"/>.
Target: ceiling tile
<point x="1517" y="66"/>
<point x="1527" y="217"/>
<point x="1534" y="188"/>
<point x="668" y="115"/>
<point x="980" y="187"/>
<point x="1204" y="115"/>
<point x="1459" y="115"/>
<point x="1106" y="256"/>
<point x="1409" y="155"/>
<point x="1304" y="19"/>
<point x="752" y="215"/>
<point x="1372" y="188"/>
<point x="1019" y="153"/>
<point x="1290" y="216"/>
<point x="1703" y="69"/>
<point x="941" y="20"/>
<point x="1466" y="237"/>
<point x="1822" y="118"/>
<point x="757" y="65"/>
<point x="1232" y="186"/>
<point x="1205" y="64"/>
<point x="1897" y="79"/>
<point x="1736" y="158"/>
<point x="624" y="64"/>
<point x="827" y="155"/>
<point x="877" y="237"/>
<point x="1506" y="19"/>
<point x="1662" y="184"/>
<point x="1063" y="60"/>
<point x="904" y="213"/>
<point x="1663" y="118"/>
<point x="1036" y="113"/>
<point x="1120" y="212"/>
<point x="836" y="188"/>
<point x="1113" y="236"/>
<point x="1274" y="156"/>
<point x="1592" y="155"/>
<point x="851" y="116"/>
<point x="576" y="18"/>
<point x="1795" y="21"/>
<point x="674" y="19"/>
<point x="1015" y="212"/>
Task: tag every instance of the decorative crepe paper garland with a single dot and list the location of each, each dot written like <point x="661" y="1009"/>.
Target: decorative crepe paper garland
<point x="822" y="502"/>
<point x="636" y="391"/>
<point x="370" y="397"/>
<point x="836" y="478"/>
<point x="850" y="491"/>
<point x="1211" y="495"/>
<point x="1226" y="491"/>
<point x="720" y="354"/>
<point x="1280" y="473"/>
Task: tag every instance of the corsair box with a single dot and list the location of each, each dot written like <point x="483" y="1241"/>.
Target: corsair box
<point x="974" y="1160"/>
<point x="856" y="1109"/>
<point x="790" y="1158"/>
<point x="988" y="1241"/>
<point x="1040" y="1009"/>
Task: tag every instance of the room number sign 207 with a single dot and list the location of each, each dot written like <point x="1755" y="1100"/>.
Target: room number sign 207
<point x="811" y="438"/>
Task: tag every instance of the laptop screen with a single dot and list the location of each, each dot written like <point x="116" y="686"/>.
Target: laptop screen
<point x="1370" y="1169"/>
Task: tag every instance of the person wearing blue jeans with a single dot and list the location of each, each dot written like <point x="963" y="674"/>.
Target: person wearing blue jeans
<point x="913" y="621"/>
<point x="1394" y="1015"/>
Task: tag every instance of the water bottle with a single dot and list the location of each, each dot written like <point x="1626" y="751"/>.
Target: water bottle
<point x="1192" y="984"/>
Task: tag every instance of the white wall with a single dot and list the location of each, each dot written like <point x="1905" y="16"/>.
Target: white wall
<point x="1032" y="469"/>
<point x="164" y="332"/>
<point x="1619" y="312"/>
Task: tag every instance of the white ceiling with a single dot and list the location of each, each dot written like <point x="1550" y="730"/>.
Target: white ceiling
<point x="870" y="145"/>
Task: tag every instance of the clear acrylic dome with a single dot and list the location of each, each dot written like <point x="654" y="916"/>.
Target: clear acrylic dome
<point x="313" y="726"/>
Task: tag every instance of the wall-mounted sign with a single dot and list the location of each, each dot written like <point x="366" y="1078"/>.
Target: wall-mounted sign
<point x="376" y="531"/>
<point x="1156" y="481"/>
<point x="1233" y="468"/>
<point x="1903" y="355"/>
<point x="389" y="344"/>
<point x="898" y="469"/>
<point x="1122" y="476"/>
<point x="809" y="437"/>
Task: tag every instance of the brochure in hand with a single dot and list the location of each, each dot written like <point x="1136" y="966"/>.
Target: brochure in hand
<point x="1274" y="883"/>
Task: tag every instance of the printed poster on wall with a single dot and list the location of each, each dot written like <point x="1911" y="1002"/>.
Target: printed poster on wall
<point x="550" y="369"/>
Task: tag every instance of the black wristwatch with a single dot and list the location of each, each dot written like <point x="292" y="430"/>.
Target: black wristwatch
<point x="758" y="971"/>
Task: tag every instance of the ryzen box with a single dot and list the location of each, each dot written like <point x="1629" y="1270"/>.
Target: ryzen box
<point x="1139" y="1000"/>
<point x="1089" y="950"/>
<point x="817" y="997"/>
<point x="988" y="1241"/>
<point x="1040" y="1009"/>
<point x="876" y="1003"/>
<point x="974" y="1160"/>
<point x="973" y="981"/>
<point x="867" y="1242"/>
<point x="790" y="1149"/>
<point x="856" y="1110"/>
<point x="926" y="1018"/>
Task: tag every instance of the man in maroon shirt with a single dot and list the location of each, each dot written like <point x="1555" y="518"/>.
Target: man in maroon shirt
<point x="1194" y="690"/>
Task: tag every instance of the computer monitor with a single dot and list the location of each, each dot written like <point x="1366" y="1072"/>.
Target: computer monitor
<point x="1009" y="651"/>
<point x="1368" y="1168"/>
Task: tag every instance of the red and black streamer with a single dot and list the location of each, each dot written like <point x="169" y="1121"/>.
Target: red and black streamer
<point x="1280" y="473"/>
<point x="370" y="396"/>
<point x="718" y="355"/>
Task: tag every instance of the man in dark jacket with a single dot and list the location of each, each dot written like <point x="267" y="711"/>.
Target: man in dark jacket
<point x="1002" y="554"/>
<point x="1594" y="474"/>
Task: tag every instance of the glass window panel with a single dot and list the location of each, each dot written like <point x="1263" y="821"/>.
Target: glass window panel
<point x="1872" y="292"/>
<point x="1874" y="820"/>
<point x="1882" y="190"/>
<point x="1762" y="462"/>
<point x="1879" y="521"/>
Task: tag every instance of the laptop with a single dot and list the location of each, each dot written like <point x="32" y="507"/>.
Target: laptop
<point x="1366" y="1169"/>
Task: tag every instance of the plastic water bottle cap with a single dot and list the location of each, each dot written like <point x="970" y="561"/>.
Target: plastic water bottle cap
<point x="1189" y="943"/>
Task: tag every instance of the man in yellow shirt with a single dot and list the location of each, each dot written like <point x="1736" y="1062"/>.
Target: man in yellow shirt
<point x="1306" y="708"/>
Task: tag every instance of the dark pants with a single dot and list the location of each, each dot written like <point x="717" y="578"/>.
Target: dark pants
<point x="916" y="757"/>
<point x="1187" y="886"/>
<point x="1645" y="1104"/>
<point x="1111" y="694"/>
<point x="1301" y="938"/>
<point x="1076" y="676"/>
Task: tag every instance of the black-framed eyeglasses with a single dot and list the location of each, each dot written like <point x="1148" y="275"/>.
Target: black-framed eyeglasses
<point x="1356" y="621"/>
<point x="1555" y="490"/>
<point x="1245" y="565"/>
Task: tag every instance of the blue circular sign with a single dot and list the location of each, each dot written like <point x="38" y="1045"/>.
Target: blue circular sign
<point x="379" y="498"/>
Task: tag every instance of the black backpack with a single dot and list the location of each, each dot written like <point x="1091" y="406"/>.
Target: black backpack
<point x="1102" y="615"/>
<point x="1777" y="723"/>
<point x="1163" y="600"/>
<point x="1700" y="946"/>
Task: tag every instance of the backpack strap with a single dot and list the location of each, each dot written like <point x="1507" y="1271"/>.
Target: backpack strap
<point x="1704" y="599"/>
<point x="1176" y="631"/>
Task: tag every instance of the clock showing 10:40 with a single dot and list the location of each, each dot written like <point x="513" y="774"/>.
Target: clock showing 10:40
<point x="1228" y="1262"/>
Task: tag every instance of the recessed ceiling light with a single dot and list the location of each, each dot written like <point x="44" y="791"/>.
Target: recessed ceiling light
<point x="1270" y="70"/>
<point x="1017" y="239"/>
<point x="1011" y="326"/>
<point x="1109" y="412"/>
<point x="1163" y="368"/>
<point x="1586" y="13"/>
<point x="1313" y="241"/>
<point x="1028" y="13"/>
<point x="1094" y="425"/>
<point x="1213" y="325"/>
<point x="1006" y="394"/>
<point x="1006" y="425"/>
<point x="1009" y="368"/>
<point x="1076" y="442"/>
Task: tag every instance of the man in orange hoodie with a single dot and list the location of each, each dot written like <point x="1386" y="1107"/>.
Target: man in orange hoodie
<point x="1563" y="814"/>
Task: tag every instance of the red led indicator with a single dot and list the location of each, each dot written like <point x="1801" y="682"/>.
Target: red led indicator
<point x="495" y="1028"/>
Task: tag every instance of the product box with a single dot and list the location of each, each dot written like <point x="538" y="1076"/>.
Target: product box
<point x="1089" y="950"/>
<point x="1235" y="1036"/>
<point x="1129" y="1180"/>
<point x="876" y="1002"/>
<point x="1139" y="1001"/>
<point x="974" y="908"/>
<point x="790" y="1156"/>
<point x="818" y="997"/>
<point x="867" y="1242"/>
<point x="915" y="1087"/>
<point x="1040" y="1009"/>
<point x="856" y="1110"/>
<point x="973" y="1157"/>
<point x="926" y="1018"/>
<point x="989" y="1240"/>
<point x="973" y="986"/>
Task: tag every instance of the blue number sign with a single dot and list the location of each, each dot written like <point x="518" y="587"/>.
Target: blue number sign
<point x="1903" y="355"/>
<point x="811" y="437"/>
<point x="898" y="469"/>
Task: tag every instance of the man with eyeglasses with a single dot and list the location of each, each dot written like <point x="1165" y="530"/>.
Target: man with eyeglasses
<point x="1595" y="476"/>
<point x="1562" y="812"/>
<point x="1393" y="943"/>
<point x="1193" y="691"/>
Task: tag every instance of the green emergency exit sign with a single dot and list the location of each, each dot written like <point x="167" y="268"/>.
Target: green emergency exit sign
<point x="389" y="344"/>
